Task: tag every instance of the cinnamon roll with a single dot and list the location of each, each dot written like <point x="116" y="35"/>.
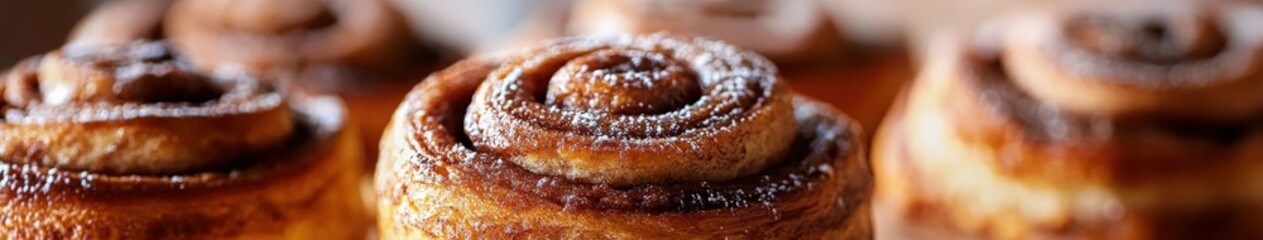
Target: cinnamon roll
<point x="130" y="142"/>
<point x="620" y="137"/>
<point x="1129" y="120"/>
<point x="860" y="79"/>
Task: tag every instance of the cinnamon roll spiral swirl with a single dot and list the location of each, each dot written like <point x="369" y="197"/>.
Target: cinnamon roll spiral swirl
<point x="1133" y="121"/>
<point x="129" y="141"/>
<point x="619" y="137"/>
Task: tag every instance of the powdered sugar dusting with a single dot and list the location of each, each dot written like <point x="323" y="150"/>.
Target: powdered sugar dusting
<point x="737" y="88"/>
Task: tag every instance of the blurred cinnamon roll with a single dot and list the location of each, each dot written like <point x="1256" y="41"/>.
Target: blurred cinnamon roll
<point x="361" y="50"/>
<point x="121" y="22"/>
<point x="129" y="141"/>
<point x="284" y="33"/>
<point x="620" y="137"/>
<point x="784" y="31"/>
<point x="1129" y="120"/>
<point x="797" y="35"/>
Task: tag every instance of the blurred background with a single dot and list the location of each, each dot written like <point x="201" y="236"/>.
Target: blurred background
<point x="33" y="27"/>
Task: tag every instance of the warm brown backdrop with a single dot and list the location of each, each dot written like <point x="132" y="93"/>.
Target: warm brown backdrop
<point x="29" y="27"/>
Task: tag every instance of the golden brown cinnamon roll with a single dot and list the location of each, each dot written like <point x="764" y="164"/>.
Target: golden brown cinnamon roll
<point x="130" y="142"/>
<point x="361" y="50"/>
<point x="1119" y="121"/>
<point x="795" y="34"/>
<point x="620" y="137"/>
